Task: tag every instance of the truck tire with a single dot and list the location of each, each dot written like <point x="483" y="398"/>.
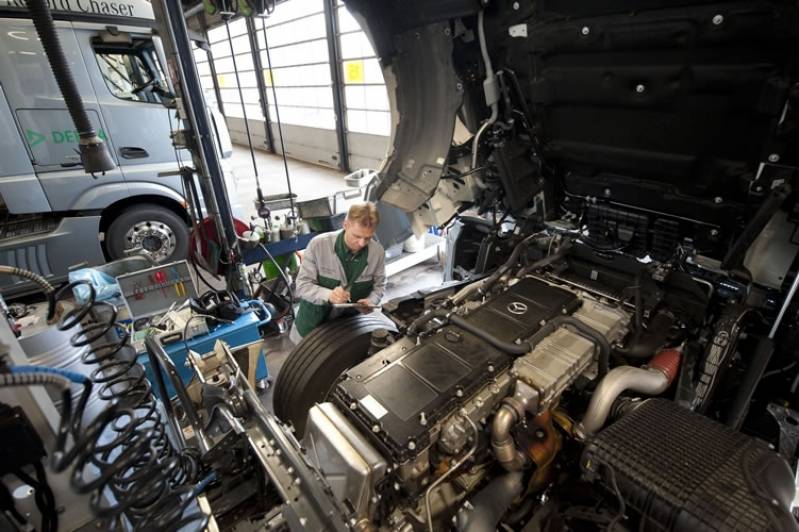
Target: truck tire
<point x="158" y="230"/>
<point x="314" y="366"/>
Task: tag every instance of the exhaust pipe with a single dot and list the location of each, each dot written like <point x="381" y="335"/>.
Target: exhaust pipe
<point x="93" y="151"/>
<point x="651" y="380"/>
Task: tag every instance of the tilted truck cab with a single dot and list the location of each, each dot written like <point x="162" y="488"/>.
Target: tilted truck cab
<point x="54" y="215"/>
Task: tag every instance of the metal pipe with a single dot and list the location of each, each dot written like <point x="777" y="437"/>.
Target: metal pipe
<point x="785" y="306"/>
<point x="489" y="88"/>
<point x="449" y="472"/>
<point x="162" y="360"/>
<point x="502" y="443"/>
<point x="652" y="380"/>
<point x="491" y="503"/>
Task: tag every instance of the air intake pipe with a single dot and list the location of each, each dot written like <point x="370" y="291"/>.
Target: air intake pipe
<point x="94" y="152"/>
<point x="653" y="379"/>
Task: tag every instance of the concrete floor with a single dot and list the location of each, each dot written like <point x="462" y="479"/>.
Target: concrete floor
<point x="308" y="181"/>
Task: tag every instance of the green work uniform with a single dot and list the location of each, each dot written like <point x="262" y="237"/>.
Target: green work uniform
<point x="328" y="263"/>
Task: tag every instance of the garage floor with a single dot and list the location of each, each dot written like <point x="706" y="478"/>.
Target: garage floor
<point x="308" y="181"/>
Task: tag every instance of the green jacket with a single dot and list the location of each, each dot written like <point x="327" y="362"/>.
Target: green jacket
<point x="328" y="263"/>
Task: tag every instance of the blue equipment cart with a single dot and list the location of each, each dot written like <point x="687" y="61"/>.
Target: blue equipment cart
<point x="245" y="330"/>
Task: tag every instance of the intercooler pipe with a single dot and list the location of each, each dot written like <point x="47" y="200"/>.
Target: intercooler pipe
<point x="93" y="151"/>
<point x="653" y="379"/>
<point x="491" y="504"/>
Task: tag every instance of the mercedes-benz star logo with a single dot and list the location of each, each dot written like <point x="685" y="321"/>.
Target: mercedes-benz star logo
<point x="517" y="307"/>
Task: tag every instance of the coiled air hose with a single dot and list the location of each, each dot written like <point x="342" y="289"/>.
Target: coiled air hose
<point x="125" y="451"/>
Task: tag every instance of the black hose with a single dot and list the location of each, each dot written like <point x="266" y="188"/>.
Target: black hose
<point x="645" y="344"/>
<point x="580" y="328"/>
<point x="422" y="320"/>
<point x="507" y="347"/>
<point x="546" y="261"/>
<point x="94" y="153"/>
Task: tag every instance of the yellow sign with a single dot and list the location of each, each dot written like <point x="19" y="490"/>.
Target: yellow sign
<point x="220" y="80"/>
<point x="267" y="77"/>
<point x="353" y="72"/>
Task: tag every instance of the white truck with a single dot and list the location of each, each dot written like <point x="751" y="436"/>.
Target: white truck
<point x="52" y="214"/>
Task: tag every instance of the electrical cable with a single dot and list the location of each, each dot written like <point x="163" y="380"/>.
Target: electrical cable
<point x="284" y="276"/>
<point x="244" y="110"/>
<point x="277" y="116"/>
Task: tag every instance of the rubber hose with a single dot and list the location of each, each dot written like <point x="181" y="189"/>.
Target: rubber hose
<point x="507" y="347"/>
<point x="422" y="320"/>
<point x="45" y="28"/>
<point x="645" y="345"/>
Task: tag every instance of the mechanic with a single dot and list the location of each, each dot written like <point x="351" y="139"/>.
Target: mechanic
<point x="340" y="267"/>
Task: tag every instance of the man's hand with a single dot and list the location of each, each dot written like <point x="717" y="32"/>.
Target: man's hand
<point x="365" y="306"/>
<point x="339" y="295"/>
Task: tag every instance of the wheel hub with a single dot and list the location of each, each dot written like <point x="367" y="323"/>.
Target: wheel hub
<point x="154" y="238"/>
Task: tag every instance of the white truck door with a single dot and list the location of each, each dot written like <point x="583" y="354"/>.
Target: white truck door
<point x="49" y="134"/>
<point x="127" y="78"/>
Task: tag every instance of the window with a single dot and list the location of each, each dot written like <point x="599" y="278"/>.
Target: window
<point x="300" y="73"/>
<point x="365" y="95"/>
<point x="226" y="70"/>
<point x="132" y="73"/>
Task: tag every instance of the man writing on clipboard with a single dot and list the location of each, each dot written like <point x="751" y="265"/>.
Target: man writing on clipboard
<point x="339" y="269"/>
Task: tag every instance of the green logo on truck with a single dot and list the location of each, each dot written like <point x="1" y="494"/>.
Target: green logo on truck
<point x="57" y="136"/>
<point x="34" y="137"/>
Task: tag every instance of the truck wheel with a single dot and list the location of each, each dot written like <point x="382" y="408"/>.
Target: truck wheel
<point x="314" y="366"/>
<point x="158" y="231"/>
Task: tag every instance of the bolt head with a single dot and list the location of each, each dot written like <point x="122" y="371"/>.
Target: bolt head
<point x="459" y="392"/>
<point x="353" y="405"/>
<point x="375" y="428"/>
<point x="607" y="190"/>
<point x="718" y="19"/>
<point x="714" y="232"/>
<point x="773" y="158"/>
<point x="718" y="199"/>
<point x="585" y="30"/>
<point x="412" y="445"/>
<point x="490" y="368"/>
<point x="640" y="88"/>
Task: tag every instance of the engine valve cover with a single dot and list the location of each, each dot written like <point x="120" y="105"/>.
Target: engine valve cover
<point x="398" y="401"/>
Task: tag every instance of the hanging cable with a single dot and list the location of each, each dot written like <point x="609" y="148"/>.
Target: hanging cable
<point x="244" y="110"/>
<point x="277" y="118"/>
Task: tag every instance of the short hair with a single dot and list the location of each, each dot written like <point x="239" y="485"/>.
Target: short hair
<point x="365" y="214"/>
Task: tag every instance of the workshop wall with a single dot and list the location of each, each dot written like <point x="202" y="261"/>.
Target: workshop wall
<point x="303" y="77"/>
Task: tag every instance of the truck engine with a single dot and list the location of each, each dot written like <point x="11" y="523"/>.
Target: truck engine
<point x="493" y="406"/>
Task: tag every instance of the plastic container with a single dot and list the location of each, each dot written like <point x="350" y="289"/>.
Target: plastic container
<point x="246" y="329"/>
